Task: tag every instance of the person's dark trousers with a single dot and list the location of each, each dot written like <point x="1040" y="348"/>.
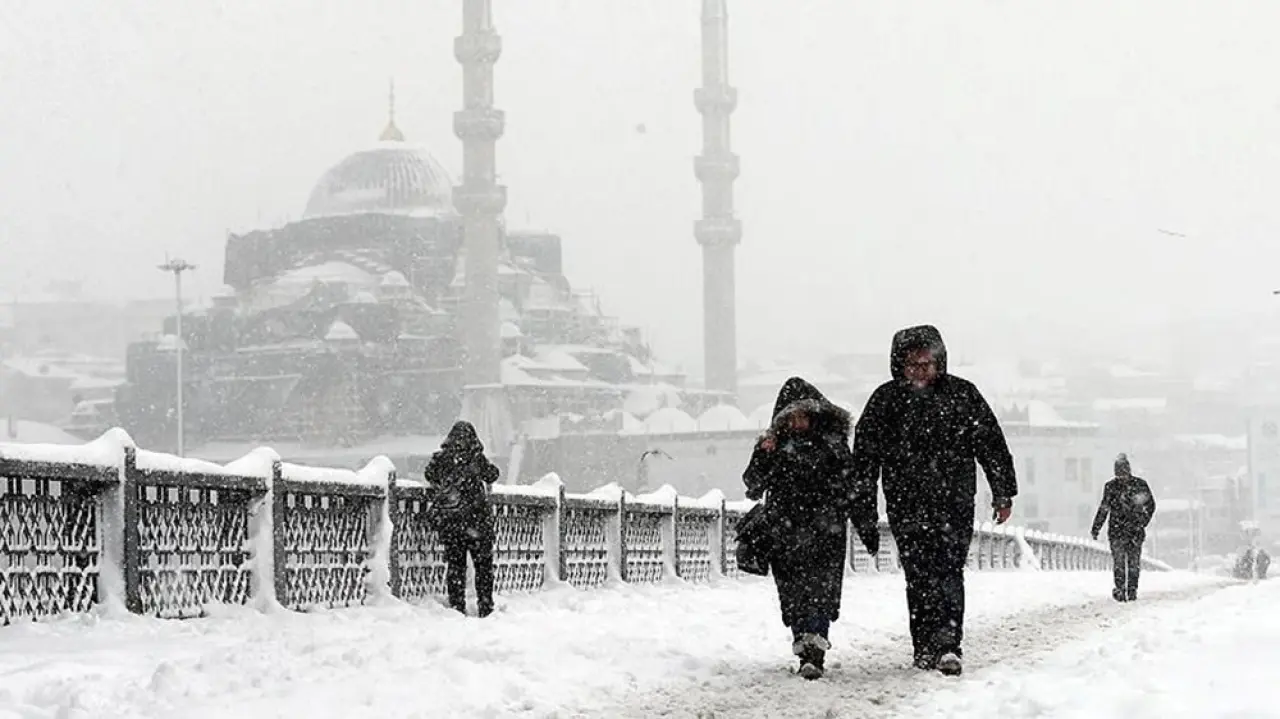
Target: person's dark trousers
<point x="456" y="549"/>
<point x="933" y="559"/>
<point x="812" y="625"/>
<point x="1126" y="564"/>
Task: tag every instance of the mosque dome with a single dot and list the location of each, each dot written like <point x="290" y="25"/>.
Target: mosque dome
<point x="392" y="177"/>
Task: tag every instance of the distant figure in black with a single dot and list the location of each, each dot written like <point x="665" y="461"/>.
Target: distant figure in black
<point x="1131" y="505"/>
<point x="802" y="464"/>
<point x="924" y="433"/>
<point x="1251" y="564"/>
<point x="458" y="478"/>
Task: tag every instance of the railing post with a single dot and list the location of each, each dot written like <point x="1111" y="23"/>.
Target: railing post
<point x="278" y="519"/>
<point x="393" y="515"/>
<point x="849" y="549"/>
<point x="622" y="535"/>
<point x="130" y="554"/>
<point x="888" y="550"/>
<point x="670" y="540"/>
<point x="553" y="541"/>
<point x="719" y="566"/>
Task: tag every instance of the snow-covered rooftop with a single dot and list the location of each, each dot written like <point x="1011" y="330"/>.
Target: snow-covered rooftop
<point x="1215" y="441"/>
<point x="1042" y="414"/>
<point x="21" y="431"/>
<point x="1148" y="404"/>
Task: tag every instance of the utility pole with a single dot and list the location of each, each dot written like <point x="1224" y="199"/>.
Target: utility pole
<point x="177" y="267"/>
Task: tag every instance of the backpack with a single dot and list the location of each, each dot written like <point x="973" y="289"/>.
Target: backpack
<point x="445" y="505"/>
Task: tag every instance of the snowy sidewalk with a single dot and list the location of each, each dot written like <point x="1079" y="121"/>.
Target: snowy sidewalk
<point x="634" y="651"/>
<point x="1214" y="657"/>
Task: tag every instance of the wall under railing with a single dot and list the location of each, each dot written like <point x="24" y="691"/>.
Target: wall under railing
<point x="109" y="524"/>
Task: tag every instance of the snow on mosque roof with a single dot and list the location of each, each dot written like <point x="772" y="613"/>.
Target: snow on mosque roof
<point x="670" y="420"/>
<point x="392" y="177"/>
<point x="722" y="418"/>
<point x="340" y="331"/>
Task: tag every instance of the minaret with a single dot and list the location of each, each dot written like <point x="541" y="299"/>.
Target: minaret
<point x="480" y="201"/>
<point x="719" y="232"/>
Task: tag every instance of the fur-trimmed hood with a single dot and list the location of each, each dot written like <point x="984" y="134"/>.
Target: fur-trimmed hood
<point x="797" y="395"/>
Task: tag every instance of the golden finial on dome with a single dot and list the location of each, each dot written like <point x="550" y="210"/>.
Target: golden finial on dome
<point x="392" y="133"/>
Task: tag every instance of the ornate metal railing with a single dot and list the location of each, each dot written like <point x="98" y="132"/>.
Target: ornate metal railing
<point x="50" y="537"/>
<point x="105" y="523"/>
<point x="189" y="536"/>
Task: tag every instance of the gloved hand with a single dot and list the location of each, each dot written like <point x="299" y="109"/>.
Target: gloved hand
<point x="1002" y="509"/>
<point x="768" y="441"/>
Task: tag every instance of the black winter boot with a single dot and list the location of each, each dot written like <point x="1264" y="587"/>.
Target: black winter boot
<point x="926" y="662"/>
<point x="812" y="650"/>
<point x="950" y="665"/>
<point x="811" y="663"/>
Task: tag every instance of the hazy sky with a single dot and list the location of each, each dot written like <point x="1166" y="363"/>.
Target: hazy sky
<point x="976" y="164"/>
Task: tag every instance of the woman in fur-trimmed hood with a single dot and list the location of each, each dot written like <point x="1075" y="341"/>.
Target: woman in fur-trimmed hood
<point x="803" y="463"/>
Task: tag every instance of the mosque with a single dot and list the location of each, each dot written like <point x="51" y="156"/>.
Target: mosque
<point x="400" y="301"/>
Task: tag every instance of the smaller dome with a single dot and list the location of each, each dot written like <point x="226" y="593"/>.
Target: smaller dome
<point x="394" y="279"/>
<point x="629" y="423"/>
<point x="762" y="417"/>
<point x="647" y="399"/>
<point x="670" y="420"/>
<point x="340" y="331"/>
<point x="723" y="418"/>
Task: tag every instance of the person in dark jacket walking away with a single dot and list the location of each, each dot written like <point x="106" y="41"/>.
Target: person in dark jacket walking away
<point x="1131" y="505"/>
<point x="924" y="432"/>
<point x="458" y="478"/>
<point x="803" y="464"/>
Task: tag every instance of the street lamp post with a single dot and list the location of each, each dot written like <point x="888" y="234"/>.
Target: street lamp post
<point x="177" y="267"/>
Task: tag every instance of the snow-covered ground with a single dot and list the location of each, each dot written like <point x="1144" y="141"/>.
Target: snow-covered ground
<point x="634" y="651"/>
<point x="1217" y="656"/>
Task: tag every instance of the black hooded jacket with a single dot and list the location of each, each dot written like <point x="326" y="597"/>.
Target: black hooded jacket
<point x="924" y="443"/>
<point x="1129" y="502"/>
<point x="807" y="476"/>
<point x="458" y="475"/>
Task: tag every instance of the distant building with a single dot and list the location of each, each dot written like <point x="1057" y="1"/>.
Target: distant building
<point x="1062" y="466"/>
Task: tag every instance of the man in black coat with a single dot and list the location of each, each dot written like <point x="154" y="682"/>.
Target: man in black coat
<point x="924" y="433"/>
<point x="1131" y="505"/>
<point x="458" y="478"/>
<point x="803" y="462"/>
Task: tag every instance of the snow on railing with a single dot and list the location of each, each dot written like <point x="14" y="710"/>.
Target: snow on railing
<point x="108" y="524"/>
